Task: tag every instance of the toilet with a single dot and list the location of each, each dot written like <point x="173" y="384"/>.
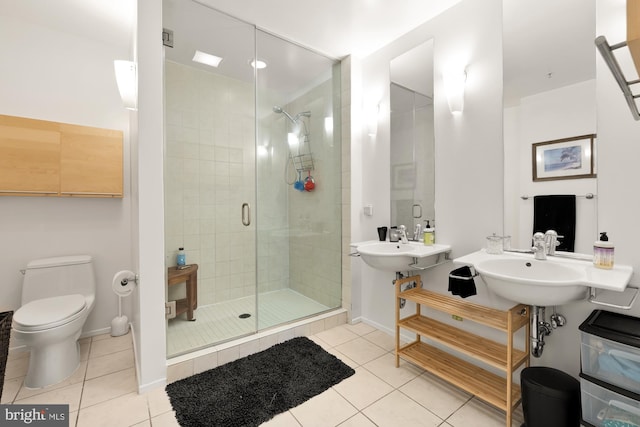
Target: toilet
<point x="57" y="296"/>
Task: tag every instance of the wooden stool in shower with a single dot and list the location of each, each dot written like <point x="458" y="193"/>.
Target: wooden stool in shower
<point x="188" y="276"/>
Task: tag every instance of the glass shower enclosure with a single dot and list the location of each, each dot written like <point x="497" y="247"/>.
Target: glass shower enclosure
<point x="252" y="176"/>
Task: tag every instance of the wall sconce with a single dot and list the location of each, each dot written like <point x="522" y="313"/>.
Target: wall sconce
<point x="454" y="80"/>
<point x="127" y="80"/>
<point x="371" y="117"/>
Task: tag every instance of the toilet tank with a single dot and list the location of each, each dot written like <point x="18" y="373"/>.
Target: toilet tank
<point x="51" y="277"/>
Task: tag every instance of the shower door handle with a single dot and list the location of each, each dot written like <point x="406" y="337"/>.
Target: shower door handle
<point x="246" y="214"/>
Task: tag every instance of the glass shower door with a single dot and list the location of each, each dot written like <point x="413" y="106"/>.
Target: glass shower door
<point x="298" y="181"/>
<point x="252" y="177"/>
<point x="210" y="172"/>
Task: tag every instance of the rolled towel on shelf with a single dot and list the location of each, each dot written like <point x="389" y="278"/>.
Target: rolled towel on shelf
<point x="461" y="282"/>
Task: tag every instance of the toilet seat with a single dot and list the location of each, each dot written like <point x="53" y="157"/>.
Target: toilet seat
<point x="48" y="313"/>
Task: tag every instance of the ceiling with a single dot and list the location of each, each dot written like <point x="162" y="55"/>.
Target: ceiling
<point x="547" y="43"/>
<point x="110" y="22"/>
<point x="336" y="27"/>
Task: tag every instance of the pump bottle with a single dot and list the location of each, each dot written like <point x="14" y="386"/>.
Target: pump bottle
<point x="603" y="252"/>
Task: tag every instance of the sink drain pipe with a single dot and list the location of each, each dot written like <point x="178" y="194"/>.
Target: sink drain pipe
<point x="540" y="328"/>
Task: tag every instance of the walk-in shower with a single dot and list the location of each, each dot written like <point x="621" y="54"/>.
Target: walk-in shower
<point x="268" y="251"/>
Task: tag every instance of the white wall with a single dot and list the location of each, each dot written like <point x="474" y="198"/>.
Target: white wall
<point x="468" y="148"/>
<point x="149" y="323"/>
<point x="51" y="73"/>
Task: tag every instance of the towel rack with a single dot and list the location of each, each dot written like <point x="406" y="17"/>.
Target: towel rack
<point x="586" y="196"/>
<point x="439" y="261"/>
<point x="607" y="54"/>
<point x="474" y="273"/>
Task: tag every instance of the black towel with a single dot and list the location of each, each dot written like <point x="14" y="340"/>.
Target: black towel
<point x="462" y="284"/>
<point x="556" y="212"/>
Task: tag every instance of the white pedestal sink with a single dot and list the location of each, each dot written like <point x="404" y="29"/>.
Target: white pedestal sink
<point x="554" y="281"/>
<point x="398" y="256"/>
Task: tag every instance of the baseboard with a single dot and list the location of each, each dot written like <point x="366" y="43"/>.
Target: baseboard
<point x="379" y="326"/>
<point x="144" y="388"/>
<point x="95" y="332"/>
<point x="356" y="320"/>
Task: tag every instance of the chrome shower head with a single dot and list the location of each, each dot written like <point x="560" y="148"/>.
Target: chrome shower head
<point x="279" y="110"/>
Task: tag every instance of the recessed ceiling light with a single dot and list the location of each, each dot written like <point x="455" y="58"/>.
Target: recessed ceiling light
<point x="206" y="59"/>
<point x="258" y="64"/>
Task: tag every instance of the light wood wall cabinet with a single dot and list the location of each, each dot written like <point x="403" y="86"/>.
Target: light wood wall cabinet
<point x="497" y="390"/>
<point x="42" y="158"/>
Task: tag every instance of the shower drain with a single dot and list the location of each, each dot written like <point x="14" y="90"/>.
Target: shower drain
<point x="244" y="315"/>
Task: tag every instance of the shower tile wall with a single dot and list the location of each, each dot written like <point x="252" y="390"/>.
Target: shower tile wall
<point x="315" y="217"/>
<point x="210" y="163"/>
<point x="209" y="173"/>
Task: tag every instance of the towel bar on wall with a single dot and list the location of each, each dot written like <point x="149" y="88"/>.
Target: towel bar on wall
<point x="586" y="196"/>
<point x="623" y="300"/>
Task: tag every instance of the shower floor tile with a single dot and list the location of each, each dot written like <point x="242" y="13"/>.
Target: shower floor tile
<point x="220" y="322"/>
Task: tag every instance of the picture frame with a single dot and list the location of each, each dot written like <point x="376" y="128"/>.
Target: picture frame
<point x="567" y="158"/>
<point x="404" y="176"/>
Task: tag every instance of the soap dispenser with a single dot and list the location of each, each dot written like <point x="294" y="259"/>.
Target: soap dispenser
<point x="603" y="252"/>
<point x="428" y="234"/>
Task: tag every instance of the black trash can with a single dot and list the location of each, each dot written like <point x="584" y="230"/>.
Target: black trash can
<point x="550" y="398"/>
<point x="5" y="335"/>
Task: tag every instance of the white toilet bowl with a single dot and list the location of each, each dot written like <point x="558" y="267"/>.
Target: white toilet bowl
<point x="50" y="328"/>
<point x="50" y="325"/>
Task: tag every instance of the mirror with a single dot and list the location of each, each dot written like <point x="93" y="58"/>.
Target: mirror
<point x="412" y="138"/>
<point x="549" y="94"/>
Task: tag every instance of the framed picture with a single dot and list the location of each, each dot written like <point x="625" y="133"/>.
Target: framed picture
<point x="404" y="176"/>
<point x="568" y="158"/>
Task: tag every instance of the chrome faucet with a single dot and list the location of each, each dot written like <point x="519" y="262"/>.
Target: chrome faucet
<point x="539" y="246"/>
<point x="402" y="233"/>
<point x="551" y="241"/>
<point x="417" y="232"/>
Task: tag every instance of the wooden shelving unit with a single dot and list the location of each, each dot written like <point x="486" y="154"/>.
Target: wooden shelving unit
<point x="496" y="390"/>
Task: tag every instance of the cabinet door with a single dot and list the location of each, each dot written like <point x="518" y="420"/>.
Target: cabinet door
<point x="91" y="161"/>
<point x="29" y="156"/>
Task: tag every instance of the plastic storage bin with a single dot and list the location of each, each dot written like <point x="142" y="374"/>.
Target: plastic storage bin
<point x="607" y="406"/>
<point x="610" y="349"/>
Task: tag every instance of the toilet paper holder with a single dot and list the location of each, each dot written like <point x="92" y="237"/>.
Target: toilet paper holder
<point x="125" y="281"/>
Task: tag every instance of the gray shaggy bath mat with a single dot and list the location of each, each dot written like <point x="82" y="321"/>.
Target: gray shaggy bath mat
<point x="252" y="390"/>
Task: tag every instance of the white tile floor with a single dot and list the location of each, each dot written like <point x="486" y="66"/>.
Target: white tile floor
<point x="103" y="391"/>
<point x="220" y="322"/>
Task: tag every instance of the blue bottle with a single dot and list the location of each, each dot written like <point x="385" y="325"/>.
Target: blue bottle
<point x="181" y="259"/>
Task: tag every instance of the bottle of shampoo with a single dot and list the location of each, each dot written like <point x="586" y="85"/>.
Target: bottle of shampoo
<point x="603" y="252"/>
<point x="181" y="259"/>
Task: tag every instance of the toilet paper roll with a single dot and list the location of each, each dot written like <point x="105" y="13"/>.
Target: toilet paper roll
<point x="123" y="283"/>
